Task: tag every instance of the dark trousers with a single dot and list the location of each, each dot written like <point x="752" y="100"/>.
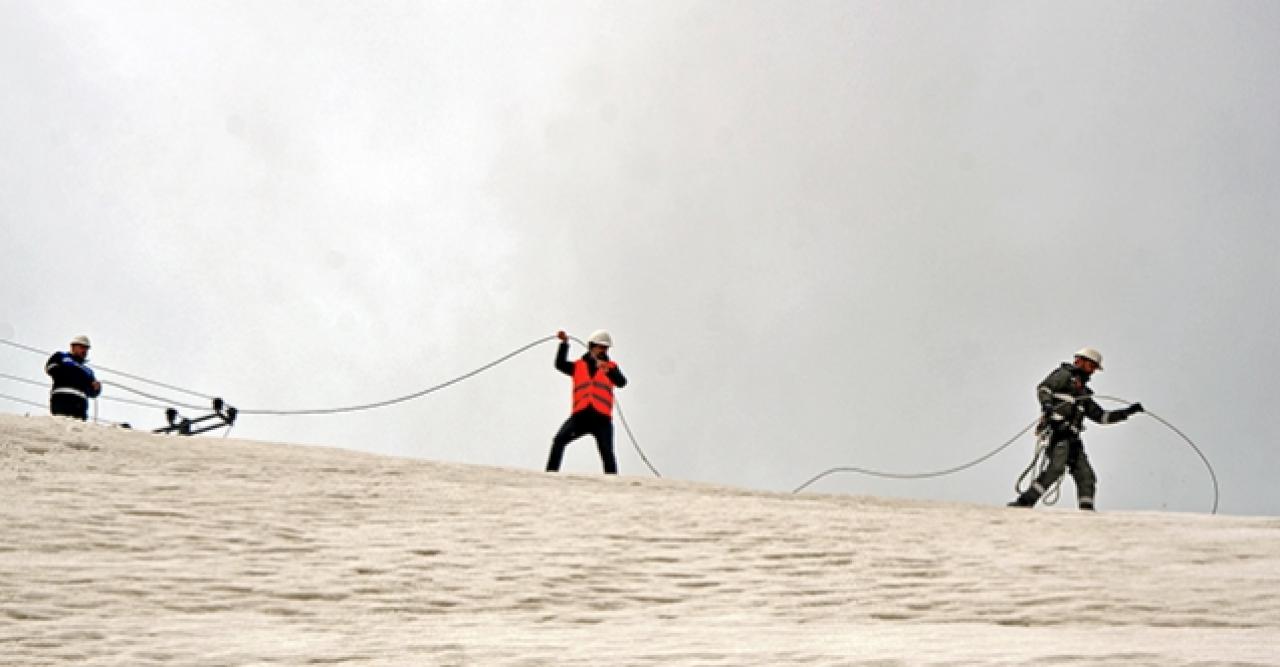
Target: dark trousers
<point x="581" y="423"/>
<point x="1067" y="455"/>
<point x="68" y="405"/>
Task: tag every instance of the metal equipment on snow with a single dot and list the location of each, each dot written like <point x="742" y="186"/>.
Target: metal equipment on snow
<point x="182" y="426"/>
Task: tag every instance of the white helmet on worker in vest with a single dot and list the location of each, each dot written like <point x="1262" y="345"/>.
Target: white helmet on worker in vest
<point x="1091" y="354"/>
<point x="601" y="337"/>
<point x="81" y="340"/>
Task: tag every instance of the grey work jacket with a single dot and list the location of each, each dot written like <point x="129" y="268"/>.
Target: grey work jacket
<point x="1066" y="399"/>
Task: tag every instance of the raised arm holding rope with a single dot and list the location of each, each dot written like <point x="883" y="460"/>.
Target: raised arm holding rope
<point x="1066" y="400"/>
<point x="594" y="378"/>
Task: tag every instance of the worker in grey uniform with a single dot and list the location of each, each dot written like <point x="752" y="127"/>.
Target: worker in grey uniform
<point x="1065" y="401"/>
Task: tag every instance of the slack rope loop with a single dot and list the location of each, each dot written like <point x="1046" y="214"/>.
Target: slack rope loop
<point x="1212" y="475"/>
<point x="302" y="412"/>
<point x="876" y="473"/>
<point x="328" y="411"/>
<point x="401" y="399"/>
<point x="919" y="475"/>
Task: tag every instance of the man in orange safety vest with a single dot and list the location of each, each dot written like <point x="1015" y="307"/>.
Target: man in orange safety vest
<point x="595" y="377"/>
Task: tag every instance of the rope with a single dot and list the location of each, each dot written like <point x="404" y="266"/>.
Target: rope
<point x="632" y="437"/>
<point x="875" y="473"/>
<point x="97" y="367"/>
<point x="1212" y="475"/>
<point x="116" y="399"/>
<point x="621" y="416"/>
<point x="342" y="409"/>
<point x="406" y="397"/>
<point x="20" y="346"/>
<point x="43" y="406"/>
<point x="23" y="380"/>
<point x="617" y="403"/>
<point x="1039" y="463"/>
<point x="295" y="412"/>
<point x="167" y="403"/>
<point x="24" y="401"/>
<point x="919" y="475"/>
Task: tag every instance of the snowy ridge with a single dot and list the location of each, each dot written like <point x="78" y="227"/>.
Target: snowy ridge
<point x="123" y="548"/>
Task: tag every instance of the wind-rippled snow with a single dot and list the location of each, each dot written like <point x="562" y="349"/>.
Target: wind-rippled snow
<point x="125" y="548"/>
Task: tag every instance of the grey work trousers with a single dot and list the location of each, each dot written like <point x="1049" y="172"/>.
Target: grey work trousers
<point x="1068" y="454"/>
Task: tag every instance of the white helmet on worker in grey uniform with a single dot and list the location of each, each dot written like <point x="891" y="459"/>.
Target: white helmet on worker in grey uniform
<point x="601" y="337"/>
<point x="1092" y="355"/>
<point x="81" y="340"/>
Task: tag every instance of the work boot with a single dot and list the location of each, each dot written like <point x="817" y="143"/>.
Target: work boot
<point x="1027" y="499"/>
<point x="1087" y="506"/>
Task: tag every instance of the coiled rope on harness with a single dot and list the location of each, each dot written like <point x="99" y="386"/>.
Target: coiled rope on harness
<point x="1040" y="446"/>
<point x="340" y="409"/>
<point x="1039" y="463"/>
<point x="1040" y="460"/>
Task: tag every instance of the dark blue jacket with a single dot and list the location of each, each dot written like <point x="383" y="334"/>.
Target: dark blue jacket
<point x="71" y="375"/>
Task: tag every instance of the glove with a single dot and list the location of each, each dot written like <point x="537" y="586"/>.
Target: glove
<point x="562" y="336"/>
<point x="1135" y="409"/>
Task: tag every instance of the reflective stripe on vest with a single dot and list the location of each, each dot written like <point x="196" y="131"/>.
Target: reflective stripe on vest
<point x="70" y="391"/>
<point x="592" y="392"/>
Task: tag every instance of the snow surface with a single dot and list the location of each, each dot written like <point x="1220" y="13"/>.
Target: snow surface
<point x="125" y="548"/>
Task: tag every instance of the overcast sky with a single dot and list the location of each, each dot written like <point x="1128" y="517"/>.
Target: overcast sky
<point x="821" y="234"/>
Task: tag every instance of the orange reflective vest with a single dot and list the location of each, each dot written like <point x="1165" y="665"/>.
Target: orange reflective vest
<point x="592" y="392"/>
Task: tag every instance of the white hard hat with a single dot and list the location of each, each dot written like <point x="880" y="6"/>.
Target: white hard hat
<point x="81" y="340"/>
<point x="1092" y="355"/>
<point x="601" y="337"/>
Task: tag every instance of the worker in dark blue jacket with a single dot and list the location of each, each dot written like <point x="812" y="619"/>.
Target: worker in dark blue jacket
<point x="73" y="381"/>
